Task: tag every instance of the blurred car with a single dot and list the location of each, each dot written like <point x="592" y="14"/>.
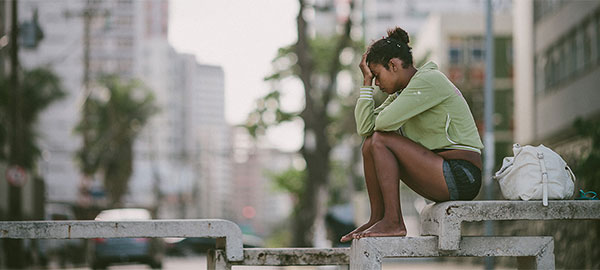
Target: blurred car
<point x="193" y="246"/>
<point x="107" y="251"/>
<point x="60" y="251"/>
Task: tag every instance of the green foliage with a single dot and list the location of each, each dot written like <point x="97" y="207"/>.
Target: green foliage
<point x="290" y="181"/>
<point x="339" y="192"/>
<point x="268" y="113"/>
<point x="586" y="169"/>
<point x="321" y="48"/>
<point x="110" y="124"/>
<point x="39" y="88"/>
<point x="280" y="237"/>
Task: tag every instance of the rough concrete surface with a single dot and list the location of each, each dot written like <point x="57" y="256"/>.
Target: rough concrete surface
<point x="444" y="219"/>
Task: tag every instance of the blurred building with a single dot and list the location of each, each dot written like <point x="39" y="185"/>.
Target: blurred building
<point x="211" y="141"/>
<point x="60" y="52"/>
<point x="182" y="152"/>
<point x="411" y="15"/>
<point x="457" y="45"/>
<point x="557" y="71"/>
<point x="258" y="207"/>
<point x="199" y="179"/>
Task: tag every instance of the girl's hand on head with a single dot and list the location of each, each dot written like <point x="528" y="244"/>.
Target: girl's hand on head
<point x="364" y="68"/>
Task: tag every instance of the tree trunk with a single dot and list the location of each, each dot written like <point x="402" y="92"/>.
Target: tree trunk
<point x="14" y="247"/>
<point x="310" y="216"/>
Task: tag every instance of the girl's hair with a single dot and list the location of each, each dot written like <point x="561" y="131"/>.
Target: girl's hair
<point x="393" y="46"/>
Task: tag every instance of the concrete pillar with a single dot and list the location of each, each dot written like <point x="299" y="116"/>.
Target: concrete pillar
<point x="523" y="70"/>
<point x="216" y="261"/>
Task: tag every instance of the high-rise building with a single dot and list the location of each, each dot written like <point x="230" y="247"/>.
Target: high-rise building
<point x="211" y="141"/>
<point x="184" y="145"/>
<point x="557" y="57"/>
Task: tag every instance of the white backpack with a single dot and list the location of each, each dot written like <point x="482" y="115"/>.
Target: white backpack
<point x="534" y="173"/>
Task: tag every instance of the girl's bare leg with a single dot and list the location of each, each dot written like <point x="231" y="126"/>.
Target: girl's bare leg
<point x="375" y="196"/>
<point x="396" y="157"/>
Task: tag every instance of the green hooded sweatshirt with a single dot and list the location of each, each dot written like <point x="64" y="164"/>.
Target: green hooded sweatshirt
<point x="430" y="111"/>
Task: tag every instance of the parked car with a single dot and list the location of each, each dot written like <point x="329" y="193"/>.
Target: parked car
<point x="193" y="246"/>
<point x="107" y="251"/>
<point x="60" y="251"/>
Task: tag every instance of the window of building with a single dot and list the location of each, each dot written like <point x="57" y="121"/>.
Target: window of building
<point x="550" y="68"/>
<point x="562" y="50"/>
<point x="455" y="51"/>
<point x="588" y="44"/>
<point x="540" y="64"/>
<point x="572" y="53"/>
<point x="579" y="49"/>
<point x="541" y="8"/>
<point x="476" y="50"/>
<point x="385" y="16"/>
<point x="455" y="55"/>
<point x="597" y="32"/>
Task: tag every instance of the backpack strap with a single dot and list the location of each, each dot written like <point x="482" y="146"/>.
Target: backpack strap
<point x="540" y="156"/>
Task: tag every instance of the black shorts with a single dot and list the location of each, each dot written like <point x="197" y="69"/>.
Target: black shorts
<point x="463" y="179"/>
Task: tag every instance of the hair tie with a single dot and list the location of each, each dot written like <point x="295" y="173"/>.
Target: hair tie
<point x="389" y="41"/>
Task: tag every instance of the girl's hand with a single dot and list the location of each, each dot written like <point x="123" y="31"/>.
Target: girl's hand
<point x="366" y="71"/>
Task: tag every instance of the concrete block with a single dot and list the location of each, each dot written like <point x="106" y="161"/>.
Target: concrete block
<point x="223" y="230"/>
<point x="285" y="257"/>
<point x="445" y="219"/>
<point x="368" y="253"/>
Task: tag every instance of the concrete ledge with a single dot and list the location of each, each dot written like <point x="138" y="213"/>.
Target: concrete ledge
<point x="282" y="257"/>
<point x="444" y="219"/>
<point x="227" y="233"/>
<point x="367" y="253"/>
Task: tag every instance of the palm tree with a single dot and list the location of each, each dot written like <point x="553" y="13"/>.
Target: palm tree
<point x="113" y="118"/>
<point x="38" y="88"/>
<point x="22" y="99"/>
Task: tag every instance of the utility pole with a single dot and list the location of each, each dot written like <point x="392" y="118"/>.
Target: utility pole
<point x="14" y="247"/>
<point x="3" y="38"/>
<point x="488" y="115"/>
<point x="88" y="14"/>
<point x="87" y="22"/>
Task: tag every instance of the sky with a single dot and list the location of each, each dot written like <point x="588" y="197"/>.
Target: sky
<point x="242" y="37"/>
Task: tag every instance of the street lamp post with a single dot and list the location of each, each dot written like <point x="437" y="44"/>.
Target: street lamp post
<point x="488" y="115"/>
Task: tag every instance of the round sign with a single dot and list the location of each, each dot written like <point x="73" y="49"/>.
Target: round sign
<point x="16" y="176"/>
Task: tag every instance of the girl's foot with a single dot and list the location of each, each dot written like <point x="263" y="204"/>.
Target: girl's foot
<point x="384" y="228"/>
<point x="351" y="234"/>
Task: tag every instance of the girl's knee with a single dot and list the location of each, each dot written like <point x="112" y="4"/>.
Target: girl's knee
<point x="378" y="140"/>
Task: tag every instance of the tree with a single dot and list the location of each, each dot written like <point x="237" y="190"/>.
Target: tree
<point x="316" y="62"/>
<point x="38" y="89"/>
<point x="586" y="165"/>
<point x="114" y="118"/>
<point x="20" y="107"/>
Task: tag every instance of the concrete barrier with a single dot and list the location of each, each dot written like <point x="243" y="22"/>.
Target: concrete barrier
<point x="227" y="233"/>
<point x="445" y="219"/>
<point x="531" y="252"/>
<point x="282" y="257"/>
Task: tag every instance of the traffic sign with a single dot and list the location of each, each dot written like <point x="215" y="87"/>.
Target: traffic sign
<point x="16" y="176"/>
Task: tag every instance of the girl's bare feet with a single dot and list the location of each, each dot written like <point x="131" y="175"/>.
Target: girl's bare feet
<point x="384" y="228"/>
<point x="360" y="229"/>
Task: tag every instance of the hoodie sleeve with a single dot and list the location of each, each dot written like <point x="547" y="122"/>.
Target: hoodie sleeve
<point x="365" y="111"/>
<point x="418" y="97"/>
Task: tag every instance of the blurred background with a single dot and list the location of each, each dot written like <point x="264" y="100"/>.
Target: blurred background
<point x="243" y="110"/>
